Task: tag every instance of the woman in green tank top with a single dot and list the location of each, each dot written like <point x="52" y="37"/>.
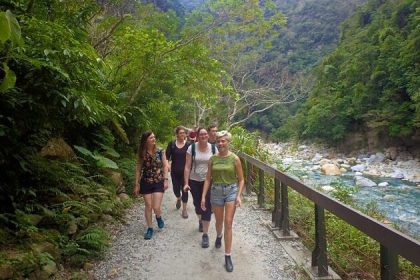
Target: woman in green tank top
<point x="227" y="182"/>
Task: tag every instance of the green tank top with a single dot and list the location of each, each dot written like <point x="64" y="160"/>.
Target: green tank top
<point x="223" y="169"/>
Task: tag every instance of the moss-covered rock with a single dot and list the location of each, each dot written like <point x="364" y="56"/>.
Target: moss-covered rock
<point x="58" y="148"/>
<point x="46" y="247"/>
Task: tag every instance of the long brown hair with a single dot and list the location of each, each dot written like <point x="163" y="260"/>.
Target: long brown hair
<point x="141" y="153"/>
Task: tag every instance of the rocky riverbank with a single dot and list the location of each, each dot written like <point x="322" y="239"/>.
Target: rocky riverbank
<point x="389" y="179"/>
<point x="390" y="163"/>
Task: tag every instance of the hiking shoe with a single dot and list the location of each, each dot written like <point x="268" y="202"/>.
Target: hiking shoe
<point x="149" y="233"/>
<point x="200" y="226"/>
<point x="228" y="264"/>
<point x="160" y="222"/>
<point x="218" y="242"/>
<point x="178" y="203"/>
<point x="205" y="241"/>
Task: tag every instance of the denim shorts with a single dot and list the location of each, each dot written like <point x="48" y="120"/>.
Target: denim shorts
<point x="220" y="194"/>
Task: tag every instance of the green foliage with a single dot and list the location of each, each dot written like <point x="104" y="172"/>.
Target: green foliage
<point x="97" y="159"/>
<point x="89" y="243"/>
<point x="351" y="252"/>
<point x="343" y="193"/>
<point x="312" y="31"/>
<point x="9" y="31"/>
<point x="371" y="79"/>
<point x="127" y="166"/>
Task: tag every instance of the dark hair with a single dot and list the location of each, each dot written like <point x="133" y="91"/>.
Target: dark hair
<point x="180" y="127"/>
<point x="211" y="126"/>
<point x="199" y="129"/>
<point x="141" y="153"/>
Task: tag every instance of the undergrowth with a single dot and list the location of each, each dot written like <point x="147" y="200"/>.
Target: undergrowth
<point x="59" y="217"/>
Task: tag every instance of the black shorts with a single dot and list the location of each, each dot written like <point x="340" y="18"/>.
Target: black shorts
<point x="146" y="188"/>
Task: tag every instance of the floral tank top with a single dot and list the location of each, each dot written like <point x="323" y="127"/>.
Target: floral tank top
<point x="152" y="172"/>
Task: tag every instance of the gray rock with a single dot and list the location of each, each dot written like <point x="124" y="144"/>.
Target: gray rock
<point x="378" y="157"/>
<point x="389" y="197"/>
<point x="383" y="184"/>
<point x="328" y="189"/>
<point x="391" y="153"/>
<point x="302" y="147"/>
<point x="364" y="182"/>
<point x="317" y="157"/>
<point x="399" y="174"/>
<point x="358" y="168"/>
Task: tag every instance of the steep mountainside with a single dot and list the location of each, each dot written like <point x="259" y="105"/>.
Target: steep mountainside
<point x="371" y="81"/>
<point x="312" y="31"/>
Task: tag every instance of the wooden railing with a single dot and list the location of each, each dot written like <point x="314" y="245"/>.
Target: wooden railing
<point x="392" y="242"/>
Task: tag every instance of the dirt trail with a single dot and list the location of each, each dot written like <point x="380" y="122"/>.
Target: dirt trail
<point x="175" y="252"/>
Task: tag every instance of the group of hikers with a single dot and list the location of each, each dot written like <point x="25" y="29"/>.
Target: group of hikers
<point x="200" y="163"/>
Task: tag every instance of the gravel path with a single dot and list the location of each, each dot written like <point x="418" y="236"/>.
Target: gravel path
<point x="175" y="252"/>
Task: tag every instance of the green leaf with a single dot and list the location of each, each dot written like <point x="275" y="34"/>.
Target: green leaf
<point x="84" y="151"/>
<point x="104" y="162"/>
<point x="9" y="79"/>
<point x="9" y="28"/>
<point x="4" y="28"/>
<point x="110" y="151"/>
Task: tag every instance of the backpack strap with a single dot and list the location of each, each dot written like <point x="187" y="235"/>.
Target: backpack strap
<point x="192" y="155"/>
<point x="159" y="154"/>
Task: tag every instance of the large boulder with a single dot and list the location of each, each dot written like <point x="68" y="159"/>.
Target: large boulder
<point x="116" y="178"/>
<point x="364" y="182"/>
<point x="330" y="169"/>
<point x="378" y="157"/>
<point x="46" y="247"/>
<point x="391" y="153"/>
<point x="58" y="148"/>
<point x="358" y="168"/>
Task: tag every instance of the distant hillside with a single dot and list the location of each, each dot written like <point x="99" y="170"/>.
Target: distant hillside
<point x="312" y="31"/>
<point x="191" y="4"/>
<point x="371" y="81"/>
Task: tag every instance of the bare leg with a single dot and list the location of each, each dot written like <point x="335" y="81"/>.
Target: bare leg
<point x="148" y="209"/>
<point x="206" y="225"/>
<point x="229" y="213"/>
<point x="156" y="203"/>
<point x="218" y="215"/>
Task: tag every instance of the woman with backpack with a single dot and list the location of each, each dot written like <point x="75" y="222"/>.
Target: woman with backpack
<point x="175" y="152"/>
<point x="196" y="164"/>
<point x="151" y="179"/>
<point x="227" y="182"/>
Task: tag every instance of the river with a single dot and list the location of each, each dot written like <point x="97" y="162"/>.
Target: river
<point x="397" y="198"/>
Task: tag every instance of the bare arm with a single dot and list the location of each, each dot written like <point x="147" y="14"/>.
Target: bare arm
<point x="241" y="181"/>
<point x="168" y="154"/>
<point x="165" y="171"/>
<point x="206" y="186"/>
<point x="187" y="171"/>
